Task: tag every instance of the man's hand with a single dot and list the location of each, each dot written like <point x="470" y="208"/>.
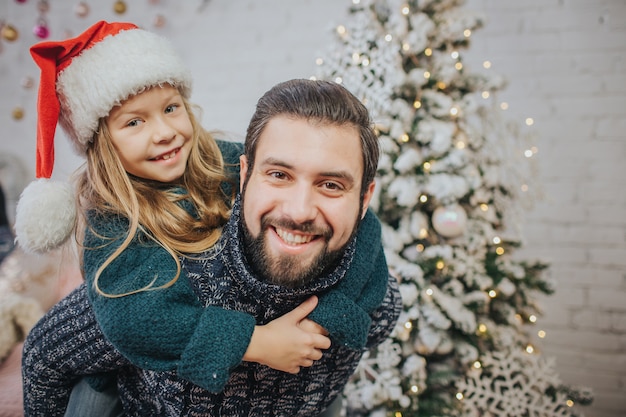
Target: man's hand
<point x="289" y="342"/>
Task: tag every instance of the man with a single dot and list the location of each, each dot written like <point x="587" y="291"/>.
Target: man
<point x="306" y="181"/>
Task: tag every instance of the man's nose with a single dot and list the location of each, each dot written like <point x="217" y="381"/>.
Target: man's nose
<point x="300" y="205"/>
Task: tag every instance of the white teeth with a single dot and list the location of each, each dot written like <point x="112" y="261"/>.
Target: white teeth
<point x="293" y="239"/>
<point x="170" y="155"/>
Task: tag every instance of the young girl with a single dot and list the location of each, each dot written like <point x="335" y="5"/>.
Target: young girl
<point x="154" y="190"/>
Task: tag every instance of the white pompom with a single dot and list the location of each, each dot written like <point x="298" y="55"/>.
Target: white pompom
<point x="45" y="216"/>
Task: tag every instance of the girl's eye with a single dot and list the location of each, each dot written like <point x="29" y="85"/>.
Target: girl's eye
<point x="133" y="123"/>
<point x="171" y="108"/>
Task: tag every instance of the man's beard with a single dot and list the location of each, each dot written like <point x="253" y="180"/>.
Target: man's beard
<point x="288" y="271"/>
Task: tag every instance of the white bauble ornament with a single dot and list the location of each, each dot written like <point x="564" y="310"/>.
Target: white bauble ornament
<point x="449" y="221"/>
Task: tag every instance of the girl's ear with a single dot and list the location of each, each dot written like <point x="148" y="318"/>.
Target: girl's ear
<point x="243" y="171"/>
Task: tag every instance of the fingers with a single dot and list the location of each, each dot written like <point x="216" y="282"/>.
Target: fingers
<point x="299" y="313"/>
<point x="310" y="326"/>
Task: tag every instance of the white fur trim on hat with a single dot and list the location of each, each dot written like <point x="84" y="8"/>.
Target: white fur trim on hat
<point x="117" y="67"/>
<point x="45" y="215"/>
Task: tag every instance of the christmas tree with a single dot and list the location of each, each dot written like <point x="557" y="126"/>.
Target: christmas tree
<point x="453" y="180"/>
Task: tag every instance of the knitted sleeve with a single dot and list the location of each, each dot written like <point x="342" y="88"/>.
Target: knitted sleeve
<point x="345" y="310"/>
<point x="63" y="346"/>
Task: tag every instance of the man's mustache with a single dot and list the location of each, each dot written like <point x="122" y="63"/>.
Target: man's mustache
<point x="290" y="224"/>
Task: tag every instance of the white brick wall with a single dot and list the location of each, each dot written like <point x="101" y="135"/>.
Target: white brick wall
<point x="566" y="65"/>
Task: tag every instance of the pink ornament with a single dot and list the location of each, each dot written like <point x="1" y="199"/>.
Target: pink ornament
<point x="449" y="221"/>
<point x="41" y="31"/>
<point x="20" y="1"/>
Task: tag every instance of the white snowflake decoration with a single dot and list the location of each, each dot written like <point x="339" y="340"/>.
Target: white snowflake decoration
<point x="512" y="384"/>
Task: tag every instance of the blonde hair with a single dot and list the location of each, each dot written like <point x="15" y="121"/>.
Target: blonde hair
<point x="106" y="187"/>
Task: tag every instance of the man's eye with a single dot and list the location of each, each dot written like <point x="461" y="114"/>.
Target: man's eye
<point x="277" y="174"/>
<point x="332" y="186"/>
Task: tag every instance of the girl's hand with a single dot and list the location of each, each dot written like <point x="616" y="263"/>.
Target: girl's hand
<point x="289" y="342"/>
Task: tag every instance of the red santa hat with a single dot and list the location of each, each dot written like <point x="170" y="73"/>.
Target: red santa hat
<point x="82" y="79"/>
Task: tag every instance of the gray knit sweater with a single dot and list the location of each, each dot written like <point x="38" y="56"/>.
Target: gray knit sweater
<point x="252" y="390"/>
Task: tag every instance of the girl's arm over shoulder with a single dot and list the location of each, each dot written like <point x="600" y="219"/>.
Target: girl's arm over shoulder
<point x="345" y="310"/>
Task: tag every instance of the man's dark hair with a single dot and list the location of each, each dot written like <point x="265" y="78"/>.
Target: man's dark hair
<point x="320" y="101"/>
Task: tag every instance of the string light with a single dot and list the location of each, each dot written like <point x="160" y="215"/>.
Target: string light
<point x="405" y="10"/>
<point x="415" y="389"/>
<point x="428" y="52"/>
<point x="499" y="250"/>
<point x="427" y="165"/>
<point x="423" y="198"/>
<point x="417" y="104"/>
<point x="487" y="64"/>
<point x="504" y="105"/>
<point x="492" y="293"/>
<point x="530" y="348"/>
<point x="484" y="207"/>
<point x="541" y="334"/>
<point x="459" y="396"/>
<point x="440" y="264"/>
<point x="482" y="328"/>
<point x="319" y="61"/>
<point x="496" y="240"/>
<point x="419" y="247"/>
<point x="405" y="137"/>
<point x="485" y="94"/>
<point x="429" y="291"/>
<point x="477" y="365"/>
<point x="532" y="318"/>
<point x="467" y="33"/>
<point x="341" y="29"/>
<point x="529" y="121"/>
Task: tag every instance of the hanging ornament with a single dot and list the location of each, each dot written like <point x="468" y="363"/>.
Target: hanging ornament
<point x="9" y="33"/>
<point x="449" y="221"/>
<point x="119" y="7"/>
<point x="81" y="9"/>
<point x="17" y="113"/>
<point x="41" y="29"/>
<point x="43" y="6"/>
<point x="20" y="1"/>
<point x="27" y="83"/>
<point x="159" y="21"/>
